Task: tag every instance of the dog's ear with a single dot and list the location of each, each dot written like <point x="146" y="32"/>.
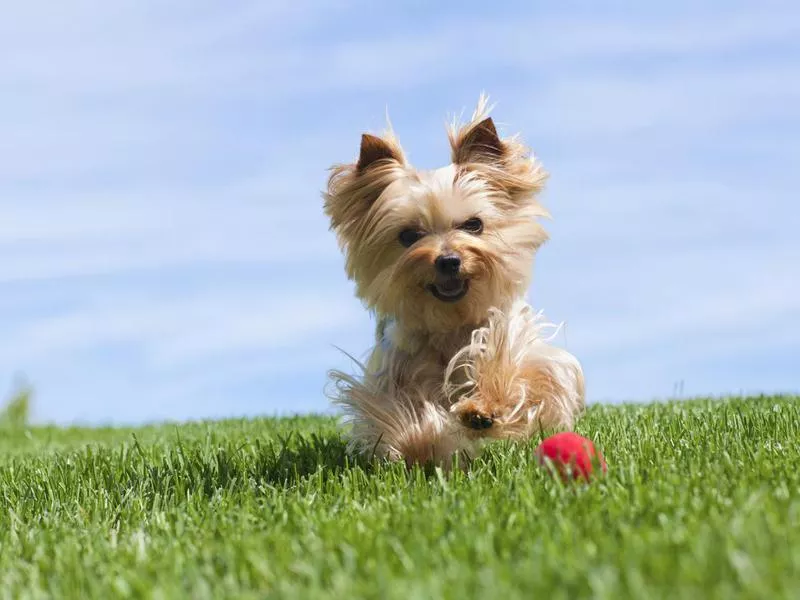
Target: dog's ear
<point x="353" y="188"/>
<point x="477" y="142"/>
<point x="373" y="149"/>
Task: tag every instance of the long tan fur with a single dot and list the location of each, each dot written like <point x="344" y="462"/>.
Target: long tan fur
<point x="444" y="377"/>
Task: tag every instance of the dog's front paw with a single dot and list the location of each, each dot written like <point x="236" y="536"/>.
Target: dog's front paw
<point x="477" y="420"/>
<point x="488" y="415"/>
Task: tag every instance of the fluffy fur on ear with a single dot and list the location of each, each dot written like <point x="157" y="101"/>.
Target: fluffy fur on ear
<point x="505" y="163"/>
<point x="354" y="187"/>
<point x="374" y="149"/>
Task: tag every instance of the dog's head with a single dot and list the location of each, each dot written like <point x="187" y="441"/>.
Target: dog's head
<point x="436" y="249"/>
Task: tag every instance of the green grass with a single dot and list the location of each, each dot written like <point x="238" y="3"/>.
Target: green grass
<point x="702" y="500"/>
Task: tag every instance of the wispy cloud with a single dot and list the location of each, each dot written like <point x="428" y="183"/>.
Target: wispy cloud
<point x="172" y="330"/>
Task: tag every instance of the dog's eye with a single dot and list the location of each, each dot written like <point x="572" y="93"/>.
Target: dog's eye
<point x="409" y="237"/>
<point x="473" y="225"/>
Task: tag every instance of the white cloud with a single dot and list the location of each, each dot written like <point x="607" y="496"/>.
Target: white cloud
<point x="548" y="47"/>
<point x="248" y="242"/>
<point x="128" y="47"/>
<point x="169" y="330"/>
<point x="670" y="314"/>
<point x="671" y="102"/>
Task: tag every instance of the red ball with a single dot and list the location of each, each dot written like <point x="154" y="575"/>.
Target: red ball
<point x="571" y="455"/>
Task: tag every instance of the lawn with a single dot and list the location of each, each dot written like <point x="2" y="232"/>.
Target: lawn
<point x="702" y="500"/>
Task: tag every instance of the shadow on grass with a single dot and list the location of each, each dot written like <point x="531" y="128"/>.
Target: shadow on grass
<point x="317" y="455"/>
<point x="294" y="461"/>
<point x="196" y="468"/>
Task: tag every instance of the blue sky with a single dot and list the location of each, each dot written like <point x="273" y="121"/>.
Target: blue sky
<point x="163" y="253"/>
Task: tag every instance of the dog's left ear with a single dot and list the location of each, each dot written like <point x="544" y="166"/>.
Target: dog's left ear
<point x="478" y="142"/>
<point x="374" y="149"/>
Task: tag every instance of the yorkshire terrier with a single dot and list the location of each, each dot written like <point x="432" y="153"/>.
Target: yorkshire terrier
<point x="444" y="260"/>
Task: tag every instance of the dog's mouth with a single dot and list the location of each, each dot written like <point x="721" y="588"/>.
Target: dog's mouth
<point x="451" y="289"/>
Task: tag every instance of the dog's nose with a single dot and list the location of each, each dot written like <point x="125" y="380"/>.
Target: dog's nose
<point x="448" y="264"/>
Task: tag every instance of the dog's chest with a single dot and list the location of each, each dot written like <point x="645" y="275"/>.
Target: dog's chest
<point x="421" y="365"/>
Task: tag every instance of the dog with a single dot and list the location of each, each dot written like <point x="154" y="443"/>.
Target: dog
<point x="444" y="258"/>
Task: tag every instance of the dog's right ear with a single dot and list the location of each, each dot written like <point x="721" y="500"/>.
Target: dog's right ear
<point x="373" y="149"/>
<point x="353" y="188"/>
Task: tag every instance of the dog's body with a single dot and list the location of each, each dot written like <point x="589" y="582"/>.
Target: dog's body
<point x="444" y="259"/>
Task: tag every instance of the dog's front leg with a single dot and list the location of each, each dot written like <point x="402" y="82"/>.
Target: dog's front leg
<point x="512" y="381"/>
<point x="408" y="423"/>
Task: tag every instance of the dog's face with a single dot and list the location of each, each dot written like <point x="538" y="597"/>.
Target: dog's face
<point x="437" y="249"/>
